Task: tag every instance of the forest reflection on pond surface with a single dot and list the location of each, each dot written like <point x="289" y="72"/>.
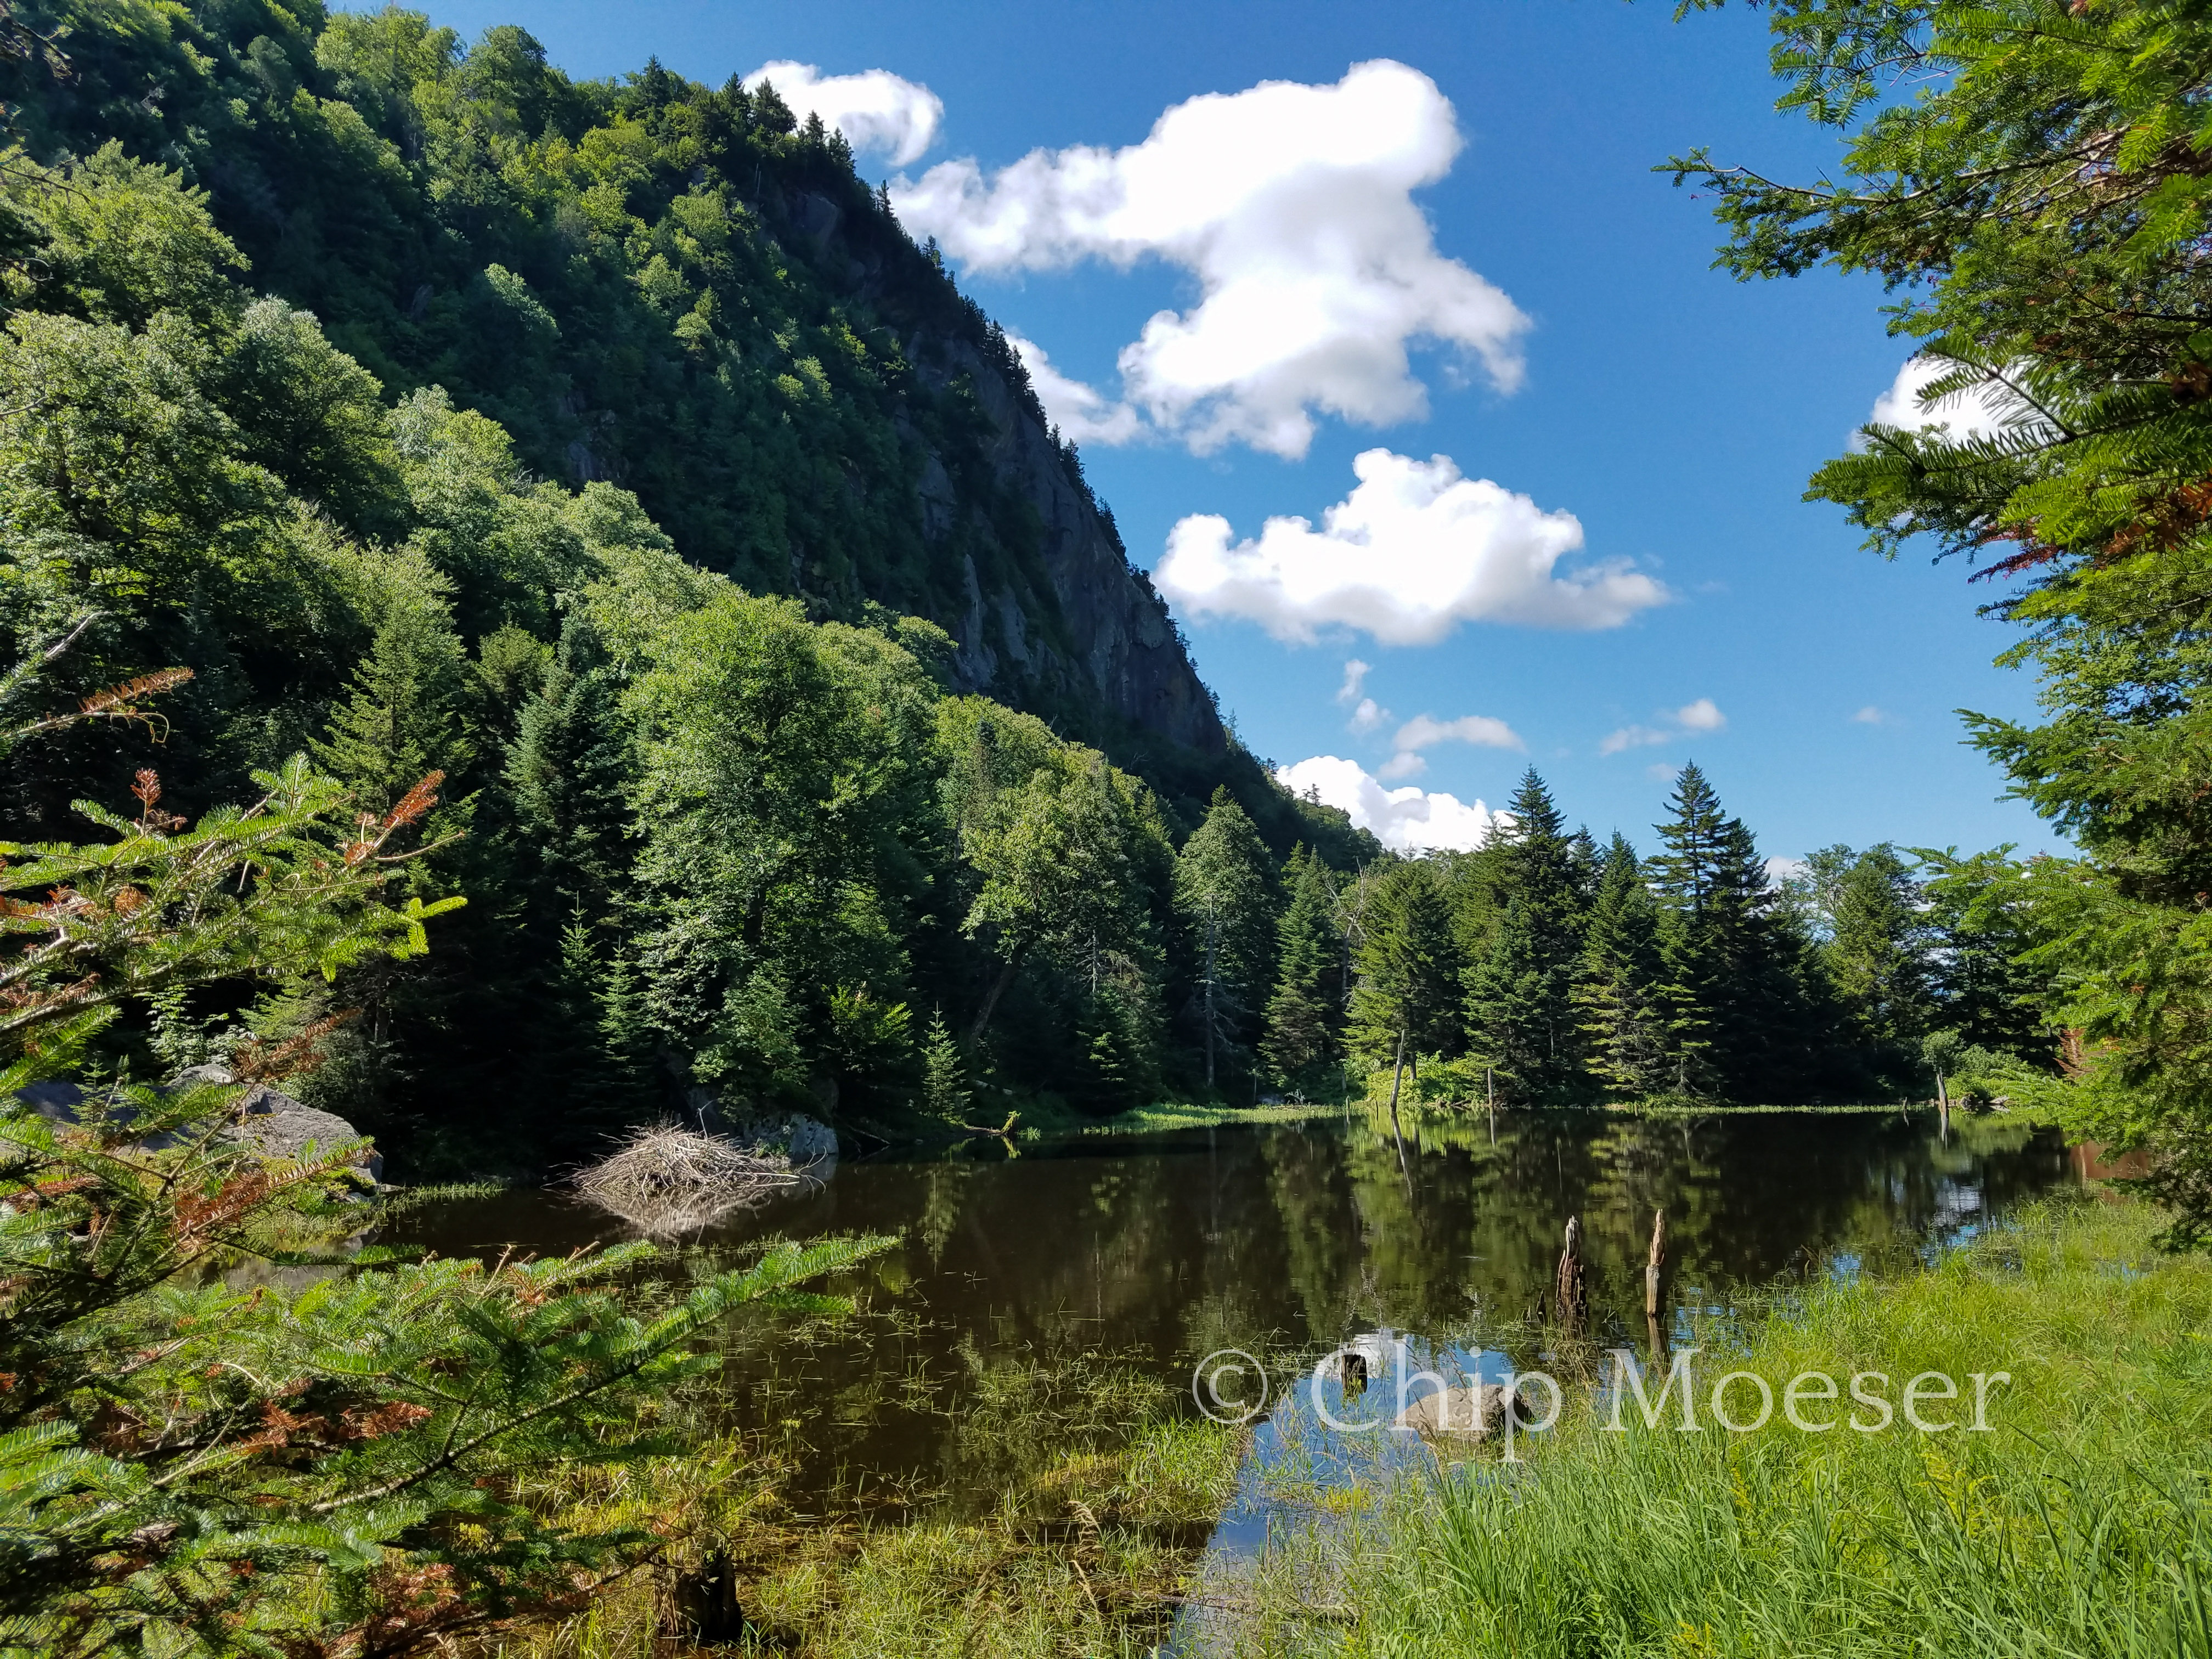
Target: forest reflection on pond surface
<point x="1036" y="1303"/>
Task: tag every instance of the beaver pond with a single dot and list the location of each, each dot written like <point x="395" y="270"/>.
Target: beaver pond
<point x="1042" y="1294"/>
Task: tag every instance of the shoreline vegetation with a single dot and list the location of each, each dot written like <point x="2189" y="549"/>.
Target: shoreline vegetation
<point x="2077" y="1524"/>
<point x="2080" y="1524"/>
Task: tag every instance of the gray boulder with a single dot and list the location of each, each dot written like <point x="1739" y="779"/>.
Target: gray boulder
<point x="274" y="1125"/>
<point x="809" y="1144"/>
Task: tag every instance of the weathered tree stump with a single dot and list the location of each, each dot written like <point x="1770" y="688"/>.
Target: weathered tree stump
<point x="1652" y="1268"/>
<point x="706" y="1602"/>
<point x="1571" y="1294"/>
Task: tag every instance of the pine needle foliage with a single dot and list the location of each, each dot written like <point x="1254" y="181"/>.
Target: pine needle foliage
<point x="1520" y="1012"/>
<point x="1305" y="1015"/>
<point x="189" y="1467"/>
<point x="1622" y="990"/>
<point x="2032" y="180"/>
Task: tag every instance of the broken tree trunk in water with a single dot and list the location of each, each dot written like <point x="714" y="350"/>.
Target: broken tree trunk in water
<point x="1572" y="1293"/>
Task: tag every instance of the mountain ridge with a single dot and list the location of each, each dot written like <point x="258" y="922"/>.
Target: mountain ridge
<point x="682" y="291"/>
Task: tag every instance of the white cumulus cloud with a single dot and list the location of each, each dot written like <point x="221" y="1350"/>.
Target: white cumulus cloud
<point x="1406" y="819"/>
<point x="1412" y="551"/>
<point x="1368" y="715"/>
<point x="1979" y="411"/>
<point x="1630" y="737"/>
<point x="1355" y="676"/>
<point x="1702" y="715"/>
<point x="1292" y="207"/>
<point x="875" y="110"/>
<point x="1081" y="412"/>
<point x="1426" y="731"/>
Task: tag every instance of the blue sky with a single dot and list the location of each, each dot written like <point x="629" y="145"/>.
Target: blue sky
<point x="1673" y="412"/>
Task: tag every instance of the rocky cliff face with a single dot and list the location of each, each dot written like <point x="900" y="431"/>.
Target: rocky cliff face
<point x="1049" y="614"/>
<point x="1061" y="623"/>
<point x="1097" y="631"/>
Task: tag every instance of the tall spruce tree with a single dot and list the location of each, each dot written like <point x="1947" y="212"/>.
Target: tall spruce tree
<point x="1979" y="928"/>
<point x="1875" y="956"/>
<point x="2039" y="207"/>
<point x="1224" y="890"/>
<point x="570" y="768"/>
<point x="1628" y="1008"/>
<point x="401" y="719"/>
<point x="945" y="1091"/>
<point x="1519" y="1013"/>
<point x="1407" y="999"/>
<point x="1736" y="970"/>
<point x="1306" y="1012"/>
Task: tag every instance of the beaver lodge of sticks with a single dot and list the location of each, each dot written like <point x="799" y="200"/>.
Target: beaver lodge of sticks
<point x="665" y="1181"/>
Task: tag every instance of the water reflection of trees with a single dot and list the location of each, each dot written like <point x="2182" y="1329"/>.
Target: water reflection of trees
<point x="1032" y="1294"/>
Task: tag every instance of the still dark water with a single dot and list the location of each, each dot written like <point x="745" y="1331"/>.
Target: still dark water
<point x="1033" y="1297"/>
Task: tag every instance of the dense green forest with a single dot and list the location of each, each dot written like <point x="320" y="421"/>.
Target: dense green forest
<point x="328" y="342"/>
<point x="1542" y="968"/>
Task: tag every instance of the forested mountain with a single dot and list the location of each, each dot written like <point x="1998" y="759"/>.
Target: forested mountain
<point x="603" y="458"/>
<point x="609" y="450"/>
<point x="659" y="285"/>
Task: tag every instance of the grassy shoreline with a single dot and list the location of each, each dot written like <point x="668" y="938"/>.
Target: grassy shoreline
<point x="2079" y="1524"/>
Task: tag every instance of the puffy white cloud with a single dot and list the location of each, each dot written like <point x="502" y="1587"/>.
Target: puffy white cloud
<point x="1292" y="206"/>
<point x="1368" y="715"/>
<point x="1979" y="411"/>
<point x="1081" y="412"/>
<point x="1412" y="551"/>
<point x="1403" y="764"/>
<point x="875" y="109"/>
<point x="1702" y="715"/>
<point x="1355" y="676"/>
<point x="1408" y="819"/>
<point x="1871" y="715"/>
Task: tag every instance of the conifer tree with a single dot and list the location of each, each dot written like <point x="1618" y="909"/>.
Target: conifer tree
<point x="1306" y="1011"/>
<point x="1407" y="997"/>
<point x="1735" y="971"/>
<point x="944" y="1073"/>
<point x="1521" y="1016"/>
<point x="570" y="766"/>
<point x="1224" y="887"/>
<point x="628" y="1041"/>
<point x="1113" y="1073"/>
<point x="1875" y="954"/>
<point x="1622" y="994"/>
<point x="400" y="719"/>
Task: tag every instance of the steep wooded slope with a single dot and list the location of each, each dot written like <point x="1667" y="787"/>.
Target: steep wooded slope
<point x="671" y="287"/>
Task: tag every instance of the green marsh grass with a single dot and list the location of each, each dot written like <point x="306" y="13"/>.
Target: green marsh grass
<point x="2079" y="1525"/>
<point x="1150" y="1120"/>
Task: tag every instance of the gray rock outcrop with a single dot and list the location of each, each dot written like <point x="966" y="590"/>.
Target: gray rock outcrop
<point x="276" y="1126"/>
<point x="808" y="1143"/>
